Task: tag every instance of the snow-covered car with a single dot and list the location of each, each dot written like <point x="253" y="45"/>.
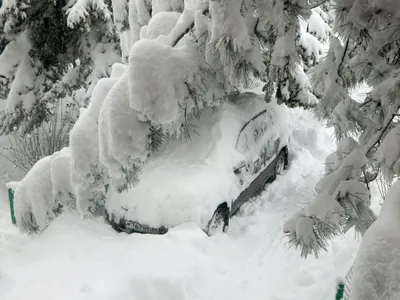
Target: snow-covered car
<point x="238" y="148"/>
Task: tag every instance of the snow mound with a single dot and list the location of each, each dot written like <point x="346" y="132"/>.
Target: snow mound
<point x="192" y="177"/>
<point x="376" y="272"/>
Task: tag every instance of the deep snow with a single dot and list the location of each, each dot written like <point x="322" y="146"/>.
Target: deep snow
<point x="85" y="259"/>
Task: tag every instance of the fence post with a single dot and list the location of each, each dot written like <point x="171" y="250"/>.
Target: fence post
<point x="340" y="291"/>
<point x="11" y="201"/>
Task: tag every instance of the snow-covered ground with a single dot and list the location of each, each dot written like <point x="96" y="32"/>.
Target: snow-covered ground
<point x="85" y="259"/>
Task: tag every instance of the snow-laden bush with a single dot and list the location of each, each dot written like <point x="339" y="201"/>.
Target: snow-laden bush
<point x="44" y="191"/>
<point x="61" y="178"/>
<point x="34" y="206"/>
<point x="88" y="173"/>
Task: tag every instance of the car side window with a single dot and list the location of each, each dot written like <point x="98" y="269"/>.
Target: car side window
<point x="271" y="148"/>
<point x="244" y="145"/>
<point x="250" y="143"/>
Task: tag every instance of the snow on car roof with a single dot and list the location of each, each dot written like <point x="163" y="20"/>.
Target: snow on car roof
<point x="186" y="180"/>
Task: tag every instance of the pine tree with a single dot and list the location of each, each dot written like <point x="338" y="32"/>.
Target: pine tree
<point x="55" y="51"/>
<point x="365" y="51"/>
<point x="293" y="35"/>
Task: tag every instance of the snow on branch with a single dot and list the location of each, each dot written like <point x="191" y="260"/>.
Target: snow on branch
<point x="341" y="203"/>
<point x="368" y="52"/>
<point x="184" y="24"/>
<point x="43" y="192"/>
<point x="158" y="94"/>
<point x="311" y="6"/>
<point x="78" y="12"/>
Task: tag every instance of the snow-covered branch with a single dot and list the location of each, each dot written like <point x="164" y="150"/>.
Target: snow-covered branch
<point x="311" y="6"/>
<point x="369" y="55"/>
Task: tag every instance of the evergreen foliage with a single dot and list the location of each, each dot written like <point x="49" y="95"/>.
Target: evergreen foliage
<point x="365" y="51"/>
<point x="50" y="55"/>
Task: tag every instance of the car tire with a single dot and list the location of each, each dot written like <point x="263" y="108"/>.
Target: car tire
<point x="219" y="221"/>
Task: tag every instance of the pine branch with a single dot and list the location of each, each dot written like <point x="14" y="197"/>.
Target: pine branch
<point x="339" y="69"/>
<point x="312" y="6"/>
<point x="381" y="132"/>
<point x="187" y="30"/>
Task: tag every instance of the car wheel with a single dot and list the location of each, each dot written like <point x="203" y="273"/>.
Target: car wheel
<point x="219" y="221"/>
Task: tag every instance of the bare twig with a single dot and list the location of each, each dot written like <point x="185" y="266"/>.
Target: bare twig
<point x="25" y="150"/>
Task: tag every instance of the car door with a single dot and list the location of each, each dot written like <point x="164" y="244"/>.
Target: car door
<point x="245" y="145"/>
<point x="258" y="148"/>
<point x="255" y="146"/>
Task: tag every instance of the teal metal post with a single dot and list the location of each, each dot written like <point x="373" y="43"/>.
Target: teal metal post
<point x="339" y="294"/>
<point x="11" y="200"/>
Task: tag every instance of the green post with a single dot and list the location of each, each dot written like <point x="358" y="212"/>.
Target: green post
<point x="11" y="200"/>
<point x="340" y="291"/>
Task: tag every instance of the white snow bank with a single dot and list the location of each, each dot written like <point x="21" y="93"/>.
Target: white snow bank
<point x="376" y="272"/>
<point x="143" y="273"/>
<point x="185" y="181"/>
